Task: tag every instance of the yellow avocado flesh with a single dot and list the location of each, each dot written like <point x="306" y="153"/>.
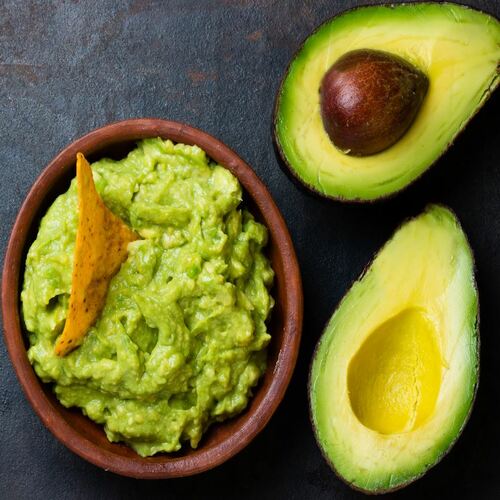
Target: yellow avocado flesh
<point x="394" y="378"/>
<point x="456" y="47"/>
<point x="395" y="372"/>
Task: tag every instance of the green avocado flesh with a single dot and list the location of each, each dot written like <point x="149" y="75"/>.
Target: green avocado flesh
<point x="456" y="47"/>
<point x="394" y="375"/>
<point x="182" y="337"/>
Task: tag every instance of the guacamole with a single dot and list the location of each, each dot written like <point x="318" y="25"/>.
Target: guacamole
<point x="182" y="337"/>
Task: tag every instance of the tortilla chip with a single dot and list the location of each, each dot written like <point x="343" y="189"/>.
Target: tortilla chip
<point x="100" y="249"/>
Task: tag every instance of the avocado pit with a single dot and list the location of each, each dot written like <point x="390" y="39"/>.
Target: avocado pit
<point x="369" y="99"/>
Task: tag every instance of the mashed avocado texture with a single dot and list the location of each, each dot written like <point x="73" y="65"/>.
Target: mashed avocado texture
<point x="182" y="338"/>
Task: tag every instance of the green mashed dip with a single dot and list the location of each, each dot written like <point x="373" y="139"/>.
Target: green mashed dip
<point x="182" y="337"/>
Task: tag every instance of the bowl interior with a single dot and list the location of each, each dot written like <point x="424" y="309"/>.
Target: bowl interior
<point x="221" y="440"/>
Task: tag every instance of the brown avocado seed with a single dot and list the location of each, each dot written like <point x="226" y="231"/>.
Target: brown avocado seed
<point x="369" y="99"/>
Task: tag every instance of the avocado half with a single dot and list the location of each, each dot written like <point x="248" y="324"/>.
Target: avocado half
<point x="458" y="48"/>
<point x="395" y="373"/>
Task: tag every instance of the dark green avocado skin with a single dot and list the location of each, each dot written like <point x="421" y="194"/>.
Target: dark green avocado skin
<point x="311" y="189"/>
<point x="315" y="352"/>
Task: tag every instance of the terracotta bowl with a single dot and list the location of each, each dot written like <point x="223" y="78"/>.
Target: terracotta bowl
<point x="70" y="426"/>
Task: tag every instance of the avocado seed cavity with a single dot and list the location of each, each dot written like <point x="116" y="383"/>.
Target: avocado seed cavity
<point x="395" y="377"/>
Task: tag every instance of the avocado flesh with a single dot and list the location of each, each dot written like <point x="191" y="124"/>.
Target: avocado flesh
<point x="394" y="375"/>
<point x="456" y="47"/>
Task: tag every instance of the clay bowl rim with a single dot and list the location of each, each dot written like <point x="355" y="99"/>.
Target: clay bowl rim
<point x="289" y="277"/>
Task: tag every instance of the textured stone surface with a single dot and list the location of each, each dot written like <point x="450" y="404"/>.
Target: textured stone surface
<point x="67" y="67"/>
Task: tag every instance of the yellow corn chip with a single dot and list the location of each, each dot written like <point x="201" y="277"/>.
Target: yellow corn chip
<point x="101" y="248"/>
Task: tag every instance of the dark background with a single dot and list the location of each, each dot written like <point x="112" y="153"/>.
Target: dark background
<point x="68" y="67"/>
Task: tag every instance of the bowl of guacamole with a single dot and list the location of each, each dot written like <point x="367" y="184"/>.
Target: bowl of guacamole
<point x="199" y="333"/>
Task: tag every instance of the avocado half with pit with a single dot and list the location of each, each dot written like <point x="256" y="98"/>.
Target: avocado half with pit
<point x="395" y="373"/>
<point x="376" y="95"/>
